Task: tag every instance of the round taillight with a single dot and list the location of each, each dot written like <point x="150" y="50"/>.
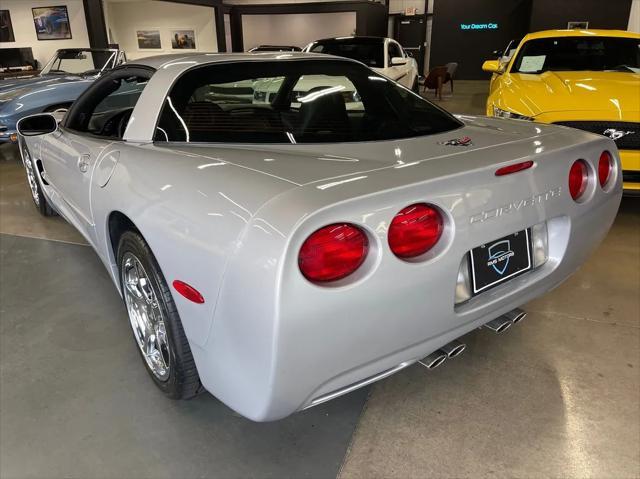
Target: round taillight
<point x="333" y="252"/>
<point x="605" y="166"/>
<point x="415" y="230"/>
<point x="578" y="178"/>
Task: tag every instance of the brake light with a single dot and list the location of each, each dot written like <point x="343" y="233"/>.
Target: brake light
<point x="415" y="230"/>
<point x="578" y="177"/>
<point x="507" y="170"/>
<point x="333" y="252"/>
<point x="605" y="165"/>
<point x="188" y="291"/>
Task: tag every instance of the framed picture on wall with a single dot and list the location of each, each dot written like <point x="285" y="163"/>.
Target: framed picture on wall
<point x="183" y="39"/>
<point x="578" y="25"/>
<point x="148" y="39"/>
<point x="6" y="28"/>
<point x="52" y="23"/>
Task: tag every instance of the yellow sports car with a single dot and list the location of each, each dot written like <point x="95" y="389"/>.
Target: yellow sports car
<point x="586" y="79"/>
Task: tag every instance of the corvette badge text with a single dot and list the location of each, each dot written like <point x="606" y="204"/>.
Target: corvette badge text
<point x="515" y="206"/>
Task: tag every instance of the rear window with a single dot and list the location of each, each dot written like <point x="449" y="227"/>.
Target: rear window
<point x="296" y="101"/>
<point x="369" y="51"/>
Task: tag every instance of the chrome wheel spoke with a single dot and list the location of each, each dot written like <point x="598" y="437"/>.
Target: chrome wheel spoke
<point x="145" y="316"/>
<point x="31" y="178"/>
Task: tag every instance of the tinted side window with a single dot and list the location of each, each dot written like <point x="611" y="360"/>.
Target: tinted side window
<point x="105" y="109"/>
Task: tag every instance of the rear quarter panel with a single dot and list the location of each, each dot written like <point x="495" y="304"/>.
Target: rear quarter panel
<point x="191" y="210"/>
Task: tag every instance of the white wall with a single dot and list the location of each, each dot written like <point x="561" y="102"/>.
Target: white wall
<point x="263" y="2"/>
<point x="634" y="17"/>
<point x="125" y="17"/>
<point x="400" y="6"/>
<point x="295" y="29"/>
<point x="24" y="30"/>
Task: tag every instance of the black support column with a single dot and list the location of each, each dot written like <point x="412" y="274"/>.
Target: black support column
<point x="96" y="24"/>
<point x="220" y="30"/>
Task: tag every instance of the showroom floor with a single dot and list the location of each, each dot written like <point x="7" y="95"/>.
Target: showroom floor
<point x="556" y="396"/>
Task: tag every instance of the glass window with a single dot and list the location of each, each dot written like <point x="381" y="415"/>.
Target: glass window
<point x="79" y="62"/>
<point x="578" y="54"/>
<point x="106" y="109"/>
<point x="301" y="101"/>
<point x="369" y="51"/>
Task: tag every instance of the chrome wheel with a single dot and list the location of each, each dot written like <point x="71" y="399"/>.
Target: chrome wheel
<point x="145" y="316"/>
<point x="31" y="176"/>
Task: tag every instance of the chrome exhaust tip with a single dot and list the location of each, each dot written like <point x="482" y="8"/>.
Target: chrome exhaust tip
<point x="434" y="360"/>
<point x="516" y="315"/>
<point x="454" y="348"/>
<point x="499" y="325"/>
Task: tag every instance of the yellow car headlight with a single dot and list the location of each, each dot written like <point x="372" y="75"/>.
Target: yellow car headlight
<point x="500" y="113"/>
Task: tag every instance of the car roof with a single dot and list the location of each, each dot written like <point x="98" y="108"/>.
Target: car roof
<point x="285" y="47"/>
<point x="353" y="39"/>
<point x="194" y="59"/>
<point x="581" y="33"/>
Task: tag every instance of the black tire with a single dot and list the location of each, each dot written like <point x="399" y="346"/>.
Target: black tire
<point x="183" y="381"/>
<point x="416" y="86"/>
<point x="33" y="173"/>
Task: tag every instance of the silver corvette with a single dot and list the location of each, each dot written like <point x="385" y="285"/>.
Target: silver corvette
<point x="281" y="253"/>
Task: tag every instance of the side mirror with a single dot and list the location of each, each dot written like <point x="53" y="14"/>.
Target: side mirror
<point x="497" y="53"/>
<point x="40" y="124"/>
<point x="397" y="61"/>
<point x="492" y="66"/>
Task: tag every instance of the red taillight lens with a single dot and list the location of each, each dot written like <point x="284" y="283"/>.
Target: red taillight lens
<point x="578" y="177"/>
<point x="507" y="170"/>
<point x="333" y="252"/>
<point x="605" y="165"/>
<point x="415" y="230"/>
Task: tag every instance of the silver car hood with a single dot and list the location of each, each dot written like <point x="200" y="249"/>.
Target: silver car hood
<point x="307" y="163"/>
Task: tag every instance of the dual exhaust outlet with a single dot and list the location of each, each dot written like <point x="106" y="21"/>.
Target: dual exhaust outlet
<point x="504" y="322"/>
<point x="455" y="347"/>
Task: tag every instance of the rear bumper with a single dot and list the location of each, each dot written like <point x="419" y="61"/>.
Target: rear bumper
<point x="583" y="235"/>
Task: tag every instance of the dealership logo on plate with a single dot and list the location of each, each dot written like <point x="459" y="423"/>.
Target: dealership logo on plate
<point x="499" y="255"/>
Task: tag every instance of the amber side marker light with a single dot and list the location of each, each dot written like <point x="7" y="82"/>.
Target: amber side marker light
<point x="188" y="291"/>
<point x="507" y="170"/>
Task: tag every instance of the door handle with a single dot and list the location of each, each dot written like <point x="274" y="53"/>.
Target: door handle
<point x="83" y="162"/>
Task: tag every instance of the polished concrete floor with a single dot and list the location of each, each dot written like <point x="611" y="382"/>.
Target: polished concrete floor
<point x="556" y="396"/>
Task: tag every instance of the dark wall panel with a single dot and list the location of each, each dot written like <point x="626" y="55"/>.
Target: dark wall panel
<point x="552" y="14"/>
<point x="503" y="21"/>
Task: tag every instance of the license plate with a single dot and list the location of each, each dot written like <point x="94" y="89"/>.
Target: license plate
<point x="500" y="260"/>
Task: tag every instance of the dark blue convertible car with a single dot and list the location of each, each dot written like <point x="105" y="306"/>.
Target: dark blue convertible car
<point x="62" y="80"/>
